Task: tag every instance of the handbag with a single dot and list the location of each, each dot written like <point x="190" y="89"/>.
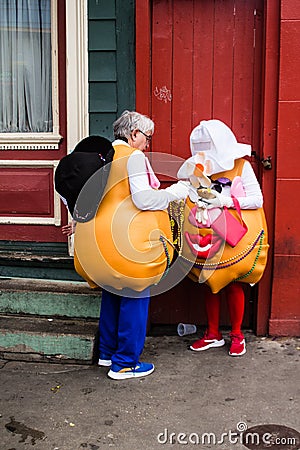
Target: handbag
<point x="228" y="227"/>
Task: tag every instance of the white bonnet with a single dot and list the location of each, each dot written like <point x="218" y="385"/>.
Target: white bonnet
<point x="216" y="140"/>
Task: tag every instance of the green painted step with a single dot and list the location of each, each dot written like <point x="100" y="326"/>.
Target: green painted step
<point x="37" y="260"/>
<point x="42" y="339"/>
<point x="49" y="298"/>
<point x="25" y="264"/>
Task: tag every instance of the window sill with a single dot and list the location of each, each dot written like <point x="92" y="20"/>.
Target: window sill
<point x="29" y="141"/>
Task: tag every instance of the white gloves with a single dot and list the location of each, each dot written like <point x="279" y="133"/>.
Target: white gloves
<point x="219" y="201"/>
<point x="183" y="189"/>
<point x="201" y="213"/>
<point x="193" y="194"/>
<point x="180" y="190"/>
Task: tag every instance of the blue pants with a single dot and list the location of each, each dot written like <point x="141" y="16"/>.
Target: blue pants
<point x="122" y="326"/>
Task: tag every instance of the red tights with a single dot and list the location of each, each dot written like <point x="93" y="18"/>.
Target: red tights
<point x="236" y="302"/>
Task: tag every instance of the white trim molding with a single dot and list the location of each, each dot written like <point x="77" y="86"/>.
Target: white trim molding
<point x="30" y="141"/>
<point x="77" y="78"/>
<point x="56" y="220"/>
<point x="77" y="71"/>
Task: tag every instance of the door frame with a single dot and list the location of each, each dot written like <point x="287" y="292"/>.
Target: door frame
<point x="76" y="80"/>
<point x="270" y="75"/>
<point x="77" y="71"/>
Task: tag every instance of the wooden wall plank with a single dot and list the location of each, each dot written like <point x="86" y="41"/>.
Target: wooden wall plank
<point x="223" y="61"/>
<point x="258" y="75"/>
<point x="102" y="66"/>
<point x="103" y="97"/>
<point x="102" y="34"/>
<point x="101" y="123"/>
<point x="182" y="98"/>
<point x="203" y="61"/>
<point x="287" y="242"/>
<point x="288" y="119"/>
<point x="162" y="83"/>
<point x="242" y="94"/>
<point x="100" y="10"/>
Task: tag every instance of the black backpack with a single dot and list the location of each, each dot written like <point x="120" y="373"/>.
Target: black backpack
<point x="80" y="177"/>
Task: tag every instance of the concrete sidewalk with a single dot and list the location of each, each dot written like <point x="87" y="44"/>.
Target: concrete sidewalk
<point x="188" y="402"/>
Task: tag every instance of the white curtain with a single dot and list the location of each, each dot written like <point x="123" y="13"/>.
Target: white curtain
<point x="25" y="66"/>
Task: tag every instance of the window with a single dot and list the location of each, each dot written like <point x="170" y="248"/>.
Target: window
<point x="28" y="74"/>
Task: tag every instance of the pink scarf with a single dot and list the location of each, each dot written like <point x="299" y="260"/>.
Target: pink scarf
<point x="153" y="180"/>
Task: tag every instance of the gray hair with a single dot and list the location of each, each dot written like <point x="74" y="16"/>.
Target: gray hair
<point x="130" y="121"/>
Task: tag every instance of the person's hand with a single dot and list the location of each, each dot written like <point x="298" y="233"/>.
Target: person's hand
<point x="219" y="201"/>
<point x="180" y="190"/>
<point x="193" y="194"/>
<point x="183" y="187"/>
<point x="69" y="229"/>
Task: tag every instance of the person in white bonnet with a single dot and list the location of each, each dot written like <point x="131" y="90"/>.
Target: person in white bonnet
<point x="219" y="148"/>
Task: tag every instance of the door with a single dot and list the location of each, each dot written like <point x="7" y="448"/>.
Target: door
<point x="205" y="61"/>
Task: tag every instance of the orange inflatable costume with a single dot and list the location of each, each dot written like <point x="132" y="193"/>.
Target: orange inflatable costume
<point x="221" y="263"/>
<point x="216" y="263"/>
<point x="107" y="250"/>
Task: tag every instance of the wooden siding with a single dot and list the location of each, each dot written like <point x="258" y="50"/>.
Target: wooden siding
<point x="111" y="62"/>
<point x="204" y="61"/>
<point x="285" y="310"/>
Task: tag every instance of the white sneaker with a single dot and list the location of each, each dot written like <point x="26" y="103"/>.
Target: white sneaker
<point x="104" y="362"/>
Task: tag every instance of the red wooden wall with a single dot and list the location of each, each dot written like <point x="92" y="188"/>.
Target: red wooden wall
<point x="285" y="311"/>
<point x="206" y="63"/>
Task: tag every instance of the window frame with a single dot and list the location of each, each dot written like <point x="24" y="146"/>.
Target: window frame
<point x="41" y="141"/>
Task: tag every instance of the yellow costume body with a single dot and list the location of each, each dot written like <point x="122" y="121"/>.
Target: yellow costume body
<point x="245" y="262"/>
<point x="121" y="246"/>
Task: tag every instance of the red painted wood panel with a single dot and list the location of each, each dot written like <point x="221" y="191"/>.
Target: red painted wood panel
<point x="243" y="65"/>
<point x="285" y="304"/>
<point x="26" y="192"/>
<point x="203" y="62"/>
<point x="223" y="61"/>
<point x="31" y="233"/>
<point x="258" y="76"/>
<point x="162" y="83"/>
<point x="268" y="146"/>
<point x="185" y="303"/>
<point x="206" y="63"/>
<point x="290" y="9"/>
<point x="285" y="311"/>
<point x="288" y="139"/>
<point x="289" y="86"/>
<point x="287" y="219"/>
<point x="182" y="101"/>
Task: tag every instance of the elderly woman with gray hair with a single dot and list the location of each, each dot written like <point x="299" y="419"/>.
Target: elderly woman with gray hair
<point x="122" y="251"/>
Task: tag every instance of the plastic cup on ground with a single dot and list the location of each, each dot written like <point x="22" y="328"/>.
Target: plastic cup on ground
<point x="186" y="328"/>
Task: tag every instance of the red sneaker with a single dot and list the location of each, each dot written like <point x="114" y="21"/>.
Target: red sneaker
<point x="238" y="345"/>
<point x="208" y="341"/>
